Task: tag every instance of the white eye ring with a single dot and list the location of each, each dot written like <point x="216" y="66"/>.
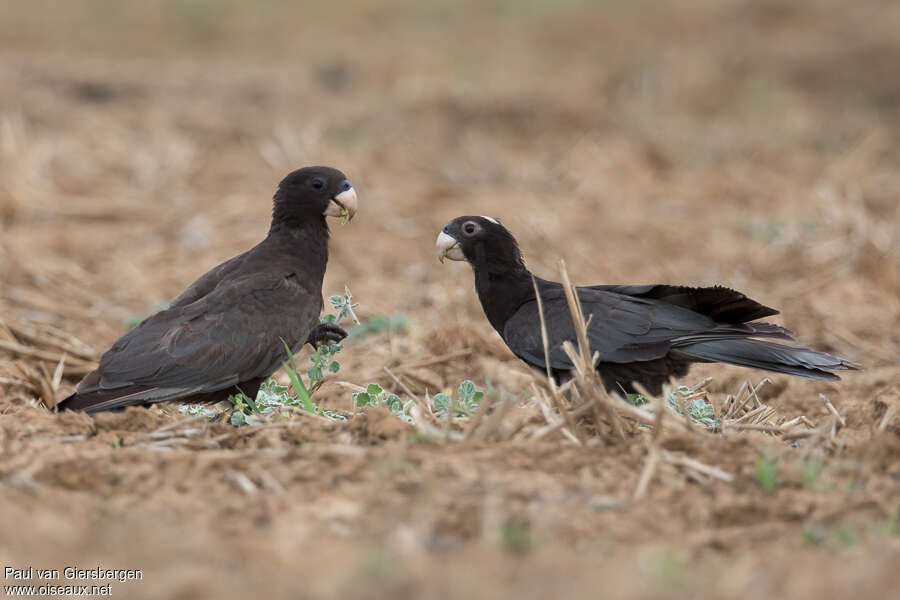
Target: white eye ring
<point x="469" y="227"/>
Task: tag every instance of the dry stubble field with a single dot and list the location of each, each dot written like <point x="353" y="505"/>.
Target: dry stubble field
<point x="752" y="144"/>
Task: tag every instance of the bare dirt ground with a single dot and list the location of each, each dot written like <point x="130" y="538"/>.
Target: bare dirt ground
<point x="752" y="144"/>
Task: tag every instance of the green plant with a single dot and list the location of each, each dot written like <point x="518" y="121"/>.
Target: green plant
<point x="767" y="474"/>
<point x="323" y="361"/>
<point x="343" y="306"/>
<point x="698" y="409"/>
<point x="635" y="399"/>
<point x="195" y="410"/>
<point x="243" y="410"/>
<point x="375" y="395"/>
<point x="274" y="397"/>
<point x="300" y="389"/>
<point x="469" y="398"/>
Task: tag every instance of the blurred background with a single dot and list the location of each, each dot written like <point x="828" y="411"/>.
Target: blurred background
<point x="720" y="142"/>
<point x="751" y="143"/>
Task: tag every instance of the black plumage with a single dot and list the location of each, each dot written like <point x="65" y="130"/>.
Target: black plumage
<point x="224" y="333"/>
<point x="644" y="334"/>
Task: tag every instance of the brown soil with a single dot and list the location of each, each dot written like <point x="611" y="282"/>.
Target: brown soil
<point x="746" y="143"/>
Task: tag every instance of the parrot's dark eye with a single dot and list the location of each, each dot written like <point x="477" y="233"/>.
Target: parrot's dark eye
<point x="318" y="183"/>
<point x="469" y="228"/>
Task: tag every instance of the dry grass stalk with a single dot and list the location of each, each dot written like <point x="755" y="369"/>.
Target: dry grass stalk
<point x="577" y="316"/>
<point x="551" y="381"/>
<point x="821" y="435"/>
<point x="53" y="338"/>
<point x="690" y="463"/>
<point x="402" y="385"/>
<point x="16" y="348"/>
<point x="36" y="301"/>
<point x="423" y="407"/>
<point x="791" y="423"/>
<point x="753" y="427"/>
<point x="577" y="413"/>
<point x="700" y="386"/>
<point x="653" y="453"/>
<point x="418" y="381"/>
<point x="242" y="482"/>
<point x="647" y="472"/>
<point x="582" y="359"/>
<point x="557" y="399"/>
<point x="492" y="423"/>
<point x="748" y="392"/>
<point x="889" y="415"/>
<point x="833" y="410"/>
<point x="748" y="416"/>
<point x="70" y="368"/>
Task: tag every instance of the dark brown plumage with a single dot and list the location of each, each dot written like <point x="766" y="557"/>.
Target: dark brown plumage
<point x="224" y="333"/>
<point x="643" y="333"/>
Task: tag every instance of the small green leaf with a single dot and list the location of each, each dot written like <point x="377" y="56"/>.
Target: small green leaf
<point x="373" y="389"/>
<point x="635" y="399"/>
<point x="334" y="367"/>
<point x="701" y="410"/>
<point x="329" y="414"/>
<point x="329" y="318"/>
<point x="362" y="399"/>
<point x="300" y="389"/>
<point x="394" y="403"/>
<point x="237" y="418"/>
<point x="250" y="402"/>
<point x="466" y="391"/>
<point x="441" y="402"/>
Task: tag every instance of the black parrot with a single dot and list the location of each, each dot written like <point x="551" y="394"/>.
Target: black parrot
<point x="224" y="333"/>
<point x="644" y="334"/>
